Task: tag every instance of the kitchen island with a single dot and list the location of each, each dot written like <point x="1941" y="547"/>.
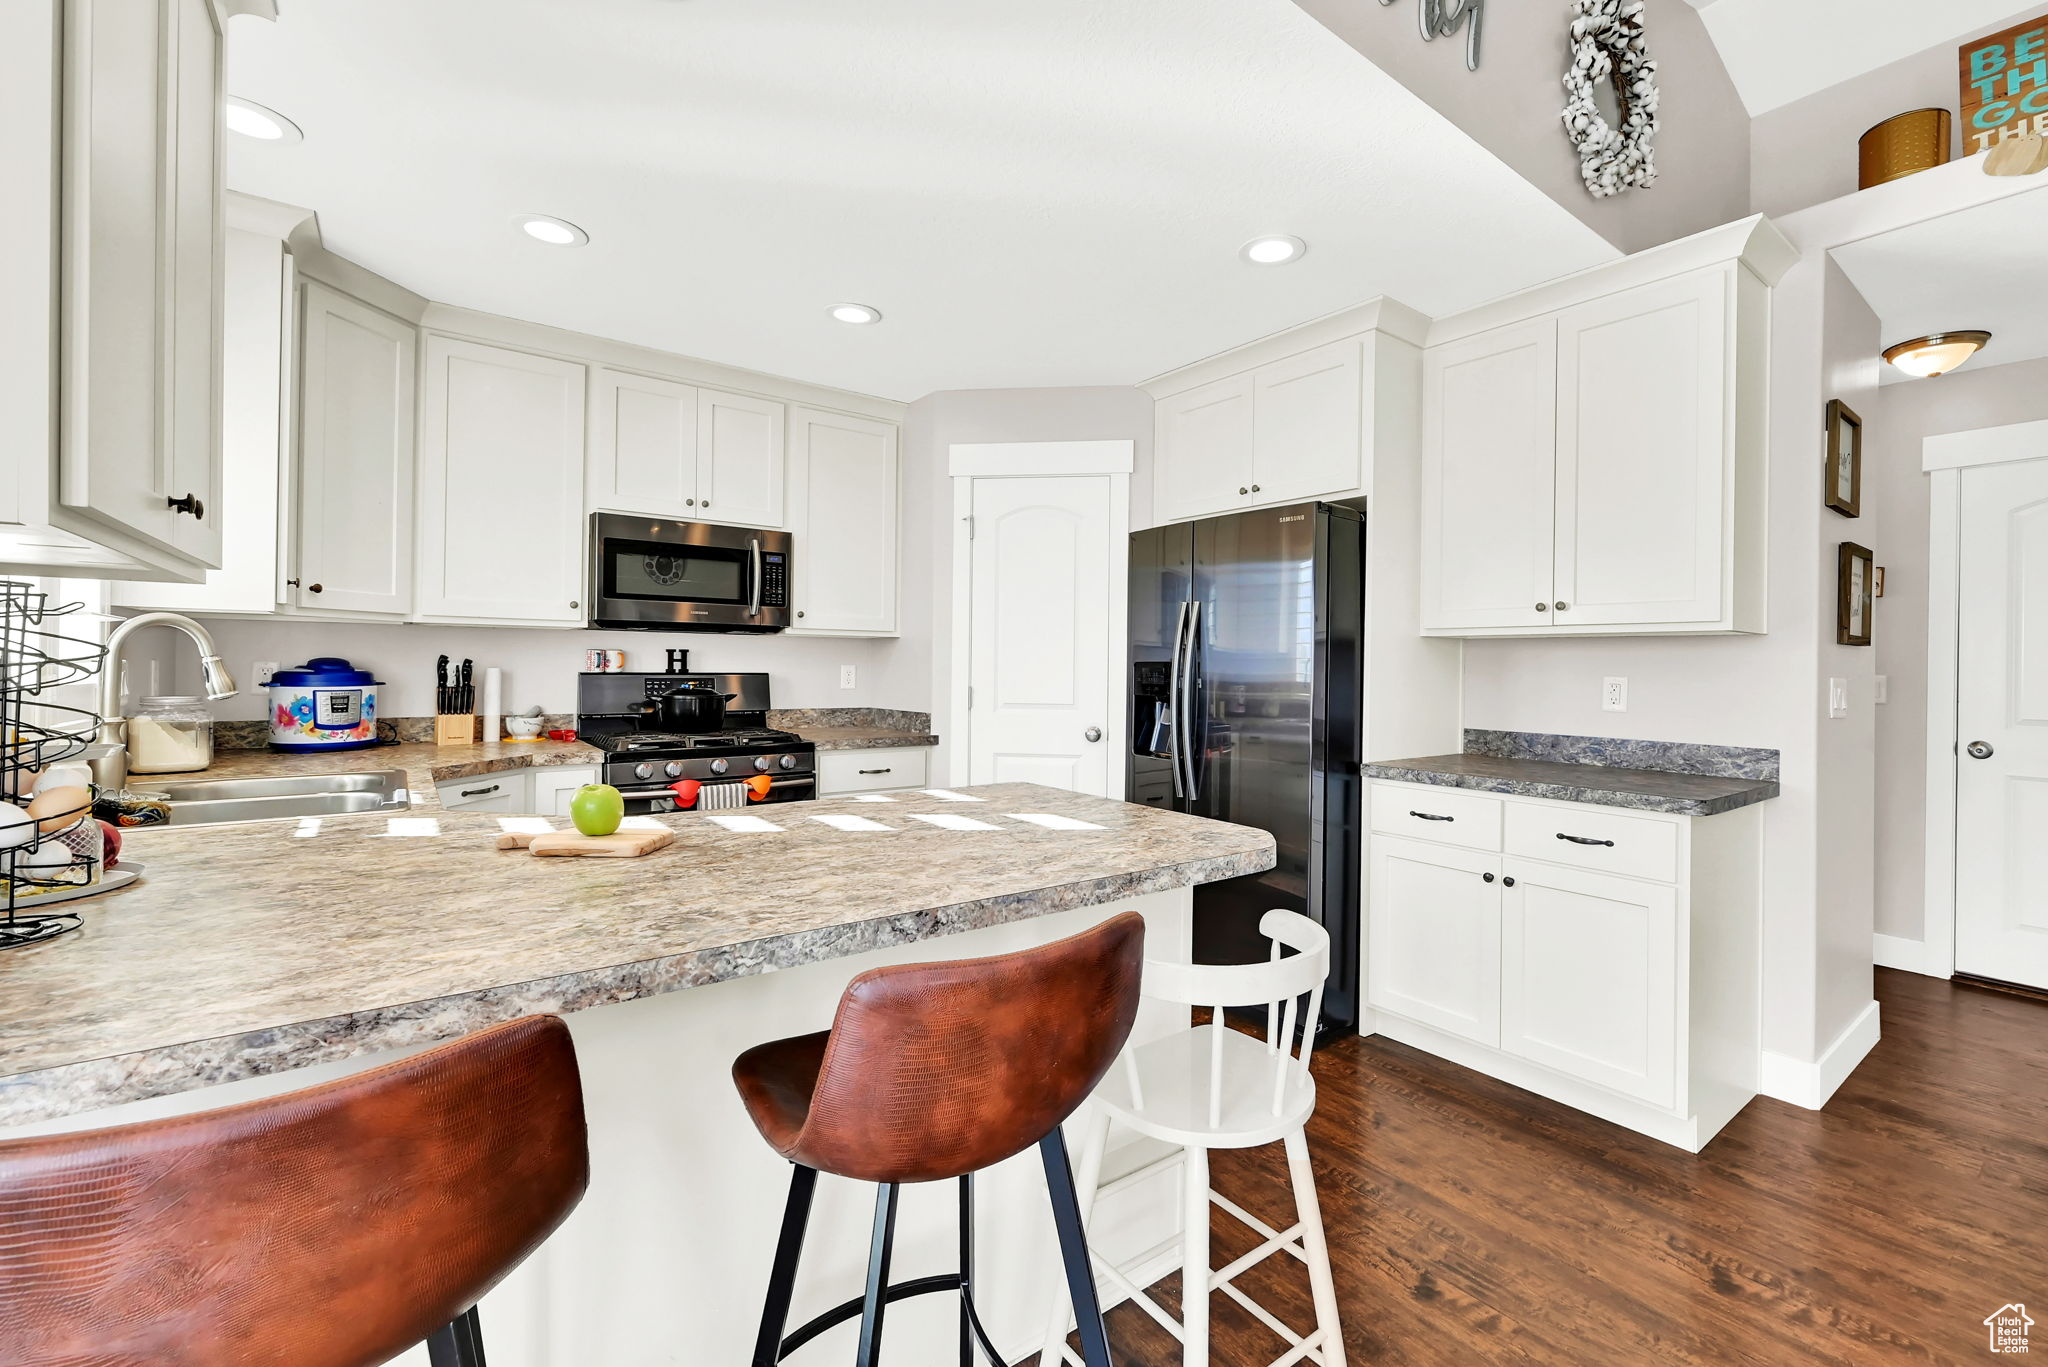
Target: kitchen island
<point x="252" y="959"/>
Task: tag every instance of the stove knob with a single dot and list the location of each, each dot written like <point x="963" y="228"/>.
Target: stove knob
<point x="789" y="761"/>
<point x="719" y="766"/>
<point x="674" y="768"/>
<point x="761" y="763"/>
<point x="643" y="771"/>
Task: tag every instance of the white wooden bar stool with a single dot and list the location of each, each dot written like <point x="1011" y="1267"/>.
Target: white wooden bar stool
<point x="1212" y="1087"/>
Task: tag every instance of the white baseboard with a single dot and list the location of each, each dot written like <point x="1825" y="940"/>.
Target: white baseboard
<point x="1896" y="951"/>
<point x="1811" y="1084"/>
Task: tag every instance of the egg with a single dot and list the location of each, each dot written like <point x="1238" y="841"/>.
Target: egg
<point x="45" y="861"/>
<point x="54" y="809"/>
<point x="72" y="775"/>
<point x="15" y="826"/>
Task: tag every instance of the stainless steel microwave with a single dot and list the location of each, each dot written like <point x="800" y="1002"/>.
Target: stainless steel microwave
<point x="650" y="575"/>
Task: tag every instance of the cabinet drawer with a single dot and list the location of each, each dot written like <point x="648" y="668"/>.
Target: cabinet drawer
<point x="867" y="771"/>
<point x="505" y="792"/>
<point x="1594" y="838"/>
<point x="1446" y="815"/>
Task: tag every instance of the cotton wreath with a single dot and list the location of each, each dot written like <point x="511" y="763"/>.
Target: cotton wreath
<point x="1607" y="44"/>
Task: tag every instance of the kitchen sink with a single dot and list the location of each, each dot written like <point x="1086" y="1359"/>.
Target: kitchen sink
<point x="215" y="801"/>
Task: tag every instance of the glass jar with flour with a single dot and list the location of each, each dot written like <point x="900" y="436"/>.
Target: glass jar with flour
<point x="170" y="735"/>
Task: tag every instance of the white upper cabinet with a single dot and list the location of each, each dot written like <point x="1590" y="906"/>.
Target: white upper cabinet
<point x="844" y="486"/>
<point x="1204" y="440"/>
<point x="1489" y="405"/>
<point x="501" y="486"/>
<point x="643" y="445"/>
<point x="1594" y="449"/>
<point x="1307" y="417"/>
<point x="740" y="443"/>
<point x="354" y="491"/>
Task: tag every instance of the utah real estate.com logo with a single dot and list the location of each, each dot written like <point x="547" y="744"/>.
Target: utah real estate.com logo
<point x="2008" y="1326"/>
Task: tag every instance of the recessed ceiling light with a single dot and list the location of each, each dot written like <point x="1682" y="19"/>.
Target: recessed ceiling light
<point x="1277" y="250"/>
<point x="252" y="120"/>
<point x="1925" y="357"/>
<point x="556" y="232"/>
<point x="855" y="313"/>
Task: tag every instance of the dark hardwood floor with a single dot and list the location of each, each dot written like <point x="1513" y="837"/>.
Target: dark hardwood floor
<point x="1472" y="1223"/>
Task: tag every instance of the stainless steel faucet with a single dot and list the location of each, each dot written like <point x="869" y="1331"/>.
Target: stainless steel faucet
<point x="110" y="771"/>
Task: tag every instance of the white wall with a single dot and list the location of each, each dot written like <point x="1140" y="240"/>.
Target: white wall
<point x="540" y="666"/>
<point x="1905" y="416"/>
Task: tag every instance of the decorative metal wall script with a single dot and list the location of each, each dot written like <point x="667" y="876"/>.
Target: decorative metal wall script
<point x="1443" y="18"/>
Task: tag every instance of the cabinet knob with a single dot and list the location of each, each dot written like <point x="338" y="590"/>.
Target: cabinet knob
<point x="1242" y="490"/>
<point x="1507" y="882"/>
<point x="689" y="503"/>
<point x="1543" y="607"/>
<point x="314" y="588"/>
<point x="1487" y="877"/>
<point x="705" y="504"/>
<point x="799" y="612"/>
<point x="188" y="504"/>
<point x="575" y="603"/>
<point x="1255" y="488"/>
<point x="1564" y="607"/>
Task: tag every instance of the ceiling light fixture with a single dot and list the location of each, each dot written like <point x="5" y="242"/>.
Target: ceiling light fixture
<point x="1926" y="357"/>
<point x="1276" y="250"/>
<point x="556" y="232"/>
<point x="253" y="120"/>
<point x="855" y="313"/>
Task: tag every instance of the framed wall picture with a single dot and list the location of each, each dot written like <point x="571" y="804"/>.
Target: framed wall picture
<point x="1855" y="582"/>
<point x="1845" y="460"/>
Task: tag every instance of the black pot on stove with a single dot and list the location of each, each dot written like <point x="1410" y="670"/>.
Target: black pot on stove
<point x="686" y="711"/>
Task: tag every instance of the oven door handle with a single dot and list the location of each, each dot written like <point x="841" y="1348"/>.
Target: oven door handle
<point x="754" y="605"/>
<point x="774" y="781"/>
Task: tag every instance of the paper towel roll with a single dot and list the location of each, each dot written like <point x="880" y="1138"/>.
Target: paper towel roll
<point x="494" y="703"/>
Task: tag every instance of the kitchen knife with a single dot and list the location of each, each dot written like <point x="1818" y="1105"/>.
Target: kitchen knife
<point x="466" y="691"/>
<point x="441" y="686"/>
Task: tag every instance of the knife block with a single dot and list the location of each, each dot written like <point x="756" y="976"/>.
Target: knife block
<point x="457" y="728"/>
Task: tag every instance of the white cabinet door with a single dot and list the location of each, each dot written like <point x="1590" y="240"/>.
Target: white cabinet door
<point x="1489" y="465"/>
<point x="1205" y="450"/>
<point x="1589" y="977"/>
<point x="1642" y="454"/>
<point x="1308" y="412"/>
<point x="195" y="258"/>
<point x="355" y="480"/>
<point x="553" y="787"/>
<point x="1433" y="936"/>
<point x="643" y="445"/>
<point x="844" y="551"/>
<point x="740" y="456"/>
<point x="501" y="486"/>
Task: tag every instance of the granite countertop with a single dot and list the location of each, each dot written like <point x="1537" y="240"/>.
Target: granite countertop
<point x="864" y="738"/>
<point x="425" y="764"/>
<point x="1606" y="785"/>
<point x="253" y="949"/>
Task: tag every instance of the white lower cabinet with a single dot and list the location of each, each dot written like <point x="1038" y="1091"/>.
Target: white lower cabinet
<point x="870" y="771"/>
<point x="1630" y="995"/>
<point x="518" y="792"/>
<point x="553" y="787"/>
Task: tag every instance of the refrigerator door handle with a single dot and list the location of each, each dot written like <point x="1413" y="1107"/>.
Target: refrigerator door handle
<point x="1173" y="746"/>
<point x="1184" y="701"/>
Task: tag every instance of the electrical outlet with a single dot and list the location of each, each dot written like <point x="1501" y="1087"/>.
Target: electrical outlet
<point x="1881" y="689"/>
<point x="846" y="677"/>
<point x="1613" y="694"/>
<point x="261" y="671"/>
<point x="1838" y="697"/>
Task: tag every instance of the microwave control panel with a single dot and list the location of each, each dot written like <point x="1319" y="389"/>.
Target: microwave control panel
<point x="775" y="580"/>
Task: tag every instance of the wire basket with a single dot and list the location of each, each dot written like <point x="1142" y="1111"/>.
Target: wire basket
<point x="50" y="857"/>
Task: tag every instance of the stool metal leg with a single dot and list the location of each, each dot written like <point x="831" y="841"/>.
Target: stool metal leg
<point x="879" y="1249"/>
<point x="1066" y="1215"/>
<point x="458" y="1343"/>
<point x="967" y="1270"/>
<point x="796" y="1217"/>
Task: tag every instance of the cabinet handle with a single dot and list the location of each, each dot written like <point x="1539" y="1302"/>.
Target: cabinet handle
<point x="291" y="583"/>
<point x="878" y="771"/>
<point x="315" y="588"/>
<point x="1584" y="840"/>
<point x="1507" y="882"/>
<point x="1564" y="607"/>
<point x="188" y="504"/>
<point x="479" y="792"/>
<point x="1487" y="877"/>
<point x="1242" y="490"/>
<point x="1543" y="607"/>
<point x="1431" y="816"/>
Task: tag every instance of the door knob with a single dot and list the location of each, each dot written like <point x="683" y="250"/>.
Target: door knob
<point x="1980" y="749"/>
<point x="1093" y="733"/>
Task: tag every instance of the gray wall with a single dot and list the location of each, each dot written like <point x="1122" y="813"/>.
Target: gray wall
<point x="1906" y="415"/>
<point x="1511" y="104"/>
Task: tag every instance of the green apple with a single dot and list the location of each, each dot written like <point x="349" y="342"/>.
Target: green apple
<point x="597" y="809"/>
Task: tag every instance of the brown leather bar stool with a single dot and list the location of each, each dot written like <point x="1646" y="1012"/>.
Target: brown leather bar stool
<point x="336" y="1226"/>
<point x="930" y="1073"/>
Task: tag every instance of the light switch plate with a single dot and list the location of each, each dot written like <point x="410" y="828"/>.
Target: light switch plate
<point x="1838" y="697"/>
<point x="1614" y="694"/>
<point x="846" y="677"/>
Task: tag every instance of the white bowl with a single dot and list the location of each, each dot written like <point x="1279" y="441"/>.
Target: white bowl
<point x="525" y="726"/>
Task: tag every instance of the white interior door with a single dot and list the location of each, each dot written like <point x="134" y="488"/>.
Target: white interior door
<point x="1040" y="675"/>
<point x="2002" y="717"/>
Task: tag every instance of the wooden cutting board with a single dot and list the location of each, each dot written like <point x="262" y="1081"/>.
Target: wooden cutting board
<point x="619" y="845"/>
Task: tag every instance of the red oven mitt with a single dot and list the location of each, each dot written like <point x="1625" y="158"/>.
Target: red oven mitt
<point x="686" y="793"/>
<point x="758" y="786"/>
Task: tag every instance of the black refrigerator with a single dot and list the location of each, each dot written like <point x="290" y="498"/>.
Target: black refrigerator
<point x="1245" y="686"/>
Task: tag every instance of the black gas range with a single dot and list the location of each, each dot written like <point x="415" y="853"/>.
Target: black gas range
<point x="743" y="764"/>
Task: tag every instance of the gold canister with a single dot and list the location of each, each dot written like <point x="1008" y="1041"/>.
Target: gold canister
<point x="1901" y="146"/>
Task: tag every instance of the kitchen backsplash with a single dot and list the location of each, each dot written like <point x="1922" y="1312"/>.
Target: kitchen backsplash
<point x="255" y="735"/>
<point x="1664" y="756"/>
